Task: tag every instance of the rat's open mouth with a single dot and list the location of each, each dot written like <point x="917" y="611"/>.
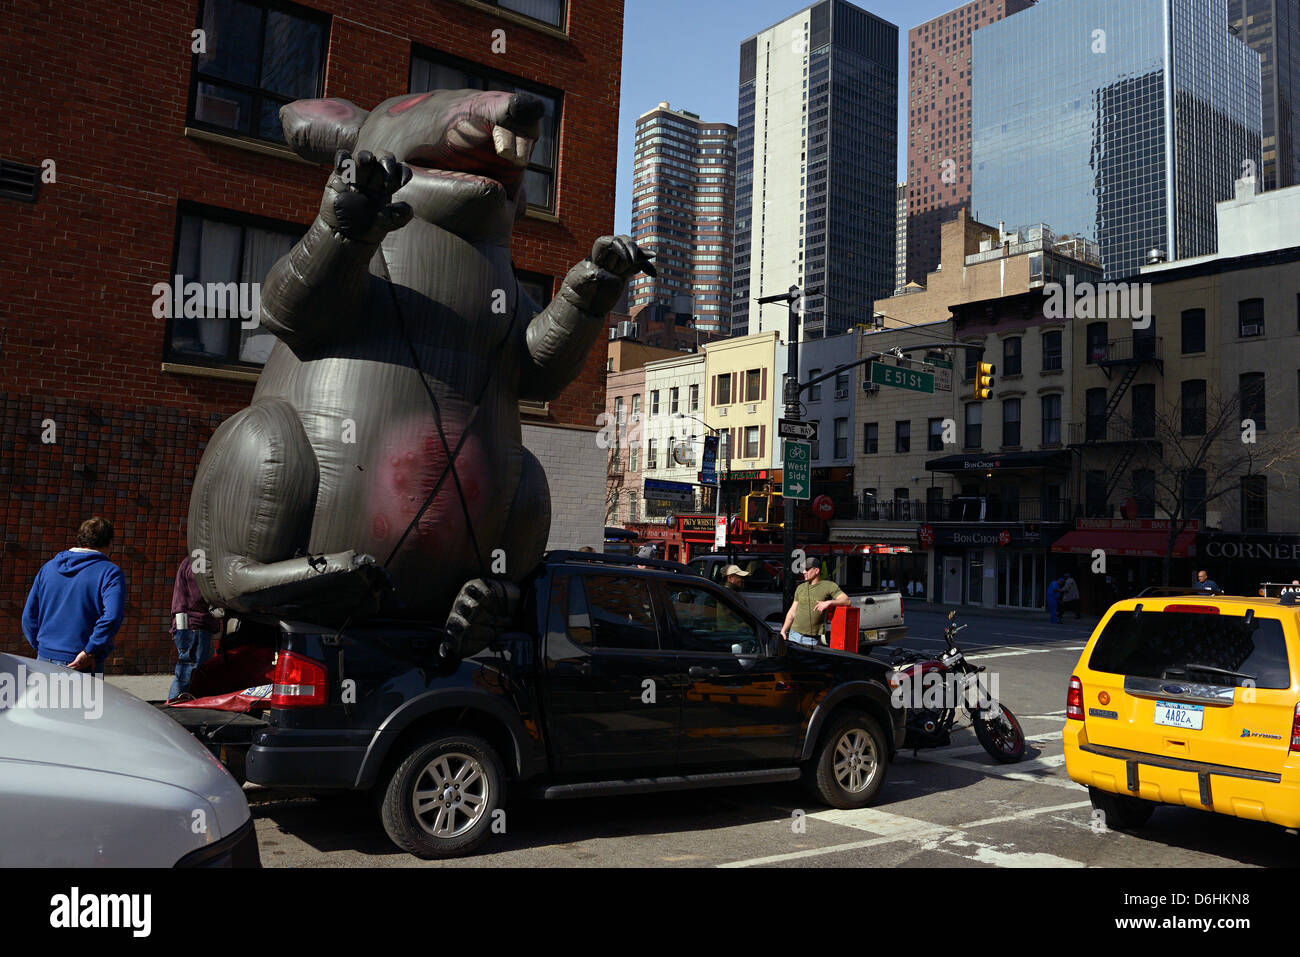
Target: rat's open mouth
<point x="498" y="162"/>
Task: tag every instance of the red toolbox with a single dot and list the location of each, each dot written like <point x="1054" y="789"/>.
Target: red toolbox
<point x="844" y="628"/>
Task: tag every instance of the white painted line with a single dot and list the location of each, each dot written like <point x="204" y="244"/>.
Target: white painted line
<point x="1031" y="812"/>
<point x="1010" y="654"/>
<point x="811" y="852"/>
<point x="881" y="823"/>
<point x="979" y="748"/>
<point x="999" y="770"/>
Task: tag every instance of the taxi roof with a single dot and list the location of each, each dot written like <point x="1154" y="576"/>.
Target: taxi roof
<point x="1243" y="602"/>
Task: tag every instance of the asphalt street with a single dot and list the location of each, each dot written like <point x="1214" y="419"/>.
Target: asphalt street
<point x="949" y="807"/>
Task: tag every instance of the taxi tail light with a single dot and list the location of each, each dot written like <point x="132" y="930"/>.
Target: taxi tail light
<point x="1193" y="609"/>
<point x="1074" y="699"/>
<point x="300" y="682"/>
<point x="1295" y="731"/>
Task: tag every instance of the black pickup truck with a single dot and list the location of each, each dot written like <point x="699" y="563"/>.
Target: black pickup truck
<point x="617" y="675"/>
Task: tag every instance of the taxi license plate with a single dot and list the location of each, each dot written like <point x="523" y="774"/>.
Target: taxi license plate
<point x="869" y="635"/>
<point x="1190" y="716"/>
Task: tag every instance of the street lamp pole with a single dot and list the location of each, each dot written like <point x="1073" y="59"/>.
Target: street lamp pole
<point x="790" y="395"/>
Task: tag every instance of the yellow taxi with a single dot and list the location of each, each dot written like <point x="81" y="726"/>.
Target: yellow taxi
<point x="1191" y="700"/>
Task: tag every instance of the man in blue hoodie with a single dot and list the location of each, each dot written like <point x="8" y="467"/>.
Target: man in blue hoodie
<point x="77" y="603"/>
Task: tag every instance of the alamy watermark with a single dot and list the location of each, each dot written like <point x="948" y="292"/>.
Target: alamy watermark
<point x="213" y="300"/>
<point x="57" y="690"/>
<point x="1103" y="300"/>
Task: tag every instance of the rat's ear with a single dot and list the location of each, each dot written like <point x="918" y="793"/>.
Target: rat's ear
<point x="317" y="129"/>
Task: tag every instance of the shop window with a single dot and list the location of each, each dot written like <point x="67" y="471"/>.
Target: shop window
<point x="1254" y="503"/>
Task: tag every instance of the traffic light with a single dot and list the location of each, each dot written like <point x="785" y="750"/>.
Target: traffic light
<point x="983" y="380"/>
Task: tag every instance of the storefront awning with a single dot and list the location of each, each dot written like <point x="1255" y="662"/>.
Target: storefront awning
<point x="999" y="461"/>
<point x="1136" y="543"/>
<point x="873" y="534"/>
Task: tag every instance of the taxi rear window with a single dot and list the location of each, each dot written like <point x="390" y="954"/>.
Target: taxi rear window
<point x="1209" y="649"/>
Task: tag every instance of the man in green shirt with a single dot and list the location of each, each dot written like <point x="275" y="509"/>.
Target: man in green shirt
<point x="812" y="598"/>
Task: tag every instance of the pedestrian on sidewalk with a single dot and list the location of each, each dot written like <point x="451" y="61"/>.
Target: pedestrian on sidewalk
<point x="77" y="602"/>
<point x="1070" y="596"/>
<point x="812" y="599"/>
<point x="1054" y="600"/>
<point x="193" y="627"/>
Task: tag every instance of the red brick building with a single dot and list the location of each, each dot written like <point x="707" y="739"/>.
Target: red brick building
<point x="126" y="157"/>
<point x="938" y="124"/>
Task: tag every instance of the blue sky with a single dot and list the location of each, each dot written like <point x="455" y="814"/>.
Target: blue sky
<point x="688" y="53"/>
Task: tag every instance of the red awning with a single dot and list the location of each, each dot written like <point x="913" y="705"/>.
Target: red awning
<point x="1143" y="543"/>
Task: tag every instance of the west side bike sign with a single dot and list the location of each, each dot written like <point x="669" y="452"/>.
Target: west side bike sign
<point x="1026" y="535"/>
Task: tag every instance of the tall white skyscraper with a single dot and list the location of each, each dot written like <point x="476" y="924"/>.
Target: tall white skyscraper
<point x="816" y="168"/>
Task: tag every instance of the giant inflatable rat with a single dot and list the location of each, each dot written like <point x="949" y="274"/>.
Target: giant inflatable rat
<point x="398" y="312"/>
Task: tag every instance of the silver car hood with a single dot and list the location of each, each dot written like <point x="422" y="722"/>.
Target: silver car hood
<point x="107" y="730"/>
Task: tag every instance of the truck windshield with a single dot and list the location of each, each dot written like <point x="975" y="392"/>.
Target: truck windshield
<point x="1210" y="649"/>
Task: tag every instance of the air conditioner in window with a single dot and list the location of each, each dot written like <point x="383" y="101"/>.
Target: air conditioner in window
<point x="841" y="393"/>
<point x="751" y="408"/>
<point x="1254" y="329"/>
<point x="870" y="388"/>
<point x="722" y="410"/>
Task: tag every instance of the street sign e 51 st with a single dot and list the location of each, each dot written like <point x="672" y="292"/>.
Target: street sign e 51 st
<point x="796" y="477"/>
<point x="901" y="378"/>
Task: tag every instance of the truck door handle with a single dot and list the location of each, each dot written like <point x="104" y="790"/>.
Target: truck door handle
<point x="699" y="671"/>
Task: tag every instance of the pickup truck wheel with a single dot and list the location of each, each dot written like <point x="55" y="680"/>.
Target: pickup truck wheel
<point x="849" y="767"/>
<point x="441" y="799"/>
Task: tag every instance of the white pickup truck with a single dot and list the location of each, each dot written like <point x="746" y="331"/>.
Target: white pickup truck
<point x="880" y="613"/>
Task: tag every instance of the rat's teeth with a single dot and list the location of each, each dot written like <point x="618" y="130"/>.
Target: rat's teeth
<point x="511" y="147"/>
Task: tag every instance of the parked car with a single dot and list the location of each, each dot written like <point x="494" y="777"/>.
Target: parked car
<point x="105" y="780"/>
<point x="1190" y="700"/>
<point x="880" y="611"/>
<point x="611" y="679"/>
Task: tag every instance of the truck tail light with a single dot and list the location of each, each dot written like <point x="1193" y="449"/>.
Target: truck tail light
<point x="1295" y="730"/>
<point x="1074" y="699"/>
<point x="300" y="682"/>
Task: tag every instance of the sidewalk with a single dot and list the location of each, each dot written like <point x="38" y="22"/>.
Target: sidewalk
<point x="148" y="687"/>
<point x="979" y="611"/>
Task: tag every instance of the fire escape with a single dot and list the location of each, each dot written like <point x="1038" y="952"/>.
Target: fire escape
<point x="1121" y="361"/>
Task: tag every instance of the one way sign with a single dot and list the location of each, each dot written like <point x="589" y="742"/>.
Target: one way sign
<point x="790" y="429"/>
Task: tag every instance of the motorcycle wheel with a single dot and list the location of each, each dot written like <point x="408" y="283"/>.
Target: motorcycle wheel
<point x="1001" y="736"/>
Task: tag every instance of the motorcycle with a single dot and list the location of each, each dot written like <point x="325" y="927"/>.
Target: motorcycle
<point x="934" y="690"/>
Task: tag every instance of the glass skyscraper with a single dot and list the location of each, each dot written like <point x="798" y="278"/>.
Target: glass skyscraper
<point x="1120" y="121"/>
<point x="1272" y="28"/>
<point x="816" y="158"/>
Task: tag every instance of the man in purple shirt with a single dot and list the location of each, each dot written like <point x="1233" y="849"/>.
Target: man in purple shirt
<point x="192" y="628"/>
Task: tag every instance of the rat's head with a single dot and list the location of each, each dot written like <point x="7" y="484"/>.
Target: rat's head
<point x="467" y="150"/>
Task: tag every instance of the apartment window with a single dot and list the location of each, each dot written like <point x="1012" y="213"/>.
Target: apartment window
<point x="1051" y="419"/>
<point x="1094" y="405"/>
<point x="1144" y="411"/>
<point x="841" y="438"/>
<point x="1193" y="407"/>
<point x="870" y="438"/>
<point x="636" y="406"/>
<point x="1051" y="351"/>
<point x="547" y="11"/>
<point x="972" y="360"/>
<point x="1144" y="490"/>
<point x="1193" y="331"/>
<point x="1144" y="340"/>
<point x="695" y="398"/>
<point x="751" y="442"/>
<point x="752" y="379"/>
<point x="651" y="459"/>
<point x="1251" y="392"/>
<point x="815" y="447"/>
<point x="259" y="57"/>
<point x="1254" y="503"/>
<point x="1096" y="344"/>
<point x="1011" y="356"/>
<point x="654" y="401"/>
<point x="815" y="391"/>
<point x="634" y="459"/>
<point x="723" y="389"/>
<point x="902" y="436"/>
<point x="618" y="409"/>
<point x="672" y="401"/>
<point x="841" y="384"/>
<point x="935" y="443"/>
<point x="974" y="426"/>
<point x="437" y="71"/>
<point x="1250" y="317"/>
<point x="233" y="252"/>
<point x="1011" y="423"/>
<point x="1094" y="491"/>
